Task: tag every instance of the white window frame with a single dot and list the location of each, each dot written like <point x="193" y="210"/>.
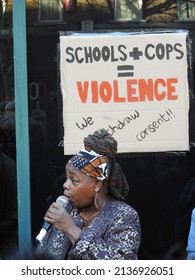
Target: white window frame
<point x="128" y="10"/>
<point x="186" y="10"/>
<point x="58" y="18"/>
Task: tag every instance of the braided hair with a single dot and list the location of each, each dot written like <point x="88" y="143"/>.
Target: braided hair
<point x="103" y="143"/>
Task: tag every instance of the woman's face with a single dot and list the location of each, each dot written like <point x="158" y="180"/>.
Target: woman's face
<point x="78" y="188"/>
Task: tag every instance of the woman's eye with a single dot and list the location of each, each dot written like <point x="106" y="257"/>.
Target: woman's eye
<point x="71" y="179"/>
<point x="74" y="181"/>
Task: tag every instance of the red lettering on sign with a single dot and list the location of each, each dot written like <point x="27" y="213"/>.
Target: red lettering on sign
<point x="137" y="90"/>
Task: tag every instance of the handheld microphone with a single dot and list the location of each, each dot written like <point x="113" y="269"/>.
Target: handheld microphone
<point x="61" y="200"/>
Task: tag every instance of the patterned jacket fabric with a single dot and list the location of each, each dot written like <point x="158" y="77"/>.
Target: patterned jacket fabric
<point x="115" y="234"/>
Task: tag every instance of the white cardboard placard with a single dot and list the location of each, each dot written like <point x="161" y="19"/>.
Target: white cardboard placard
<point x="135" y="85"/>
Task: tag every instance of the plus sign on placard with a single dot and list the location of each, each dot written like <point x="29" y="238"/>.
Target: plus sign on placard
<point x="136" y="54"/>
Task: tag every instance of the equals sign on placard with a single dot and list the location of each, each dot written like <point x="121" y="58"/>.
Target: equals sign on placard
<point x="125" y="70"/>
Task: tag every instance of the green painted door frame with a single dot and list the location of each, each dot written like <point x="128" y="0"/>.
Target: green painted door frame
<point x="22" y="125"/>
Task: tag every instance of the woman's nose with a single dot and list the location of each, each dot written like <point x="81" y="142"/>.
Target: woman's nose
<point x="66" y="184"/>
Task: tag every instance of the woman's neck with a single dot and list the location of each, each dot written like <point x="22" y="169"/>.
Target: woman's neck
<point x="90" y="214"/>
<point x="90" y="211"/>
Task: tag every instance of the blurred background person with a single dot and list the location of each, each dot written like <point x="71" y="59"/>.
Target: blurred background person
<point x="191" y="238"/>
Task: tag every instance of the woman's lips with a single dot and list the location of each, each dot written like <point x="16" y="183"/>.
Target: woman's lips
<point x="69" y="198"/>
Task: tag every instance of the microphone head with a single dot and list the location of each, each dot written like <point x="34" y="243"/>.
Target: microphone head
<point x="62" y="200"/>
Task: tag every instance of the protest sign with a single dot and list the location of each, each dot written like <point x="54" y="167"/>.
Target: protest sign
<point x="135" y="85"/>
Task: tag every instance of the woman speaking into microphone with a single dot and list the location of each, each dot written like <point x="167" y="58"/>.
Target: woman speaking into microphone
<point x="96" y="224"/>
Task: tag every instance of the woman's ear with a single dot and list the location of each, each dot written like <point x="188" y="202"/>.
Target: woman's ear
<point x="98" y="185"/>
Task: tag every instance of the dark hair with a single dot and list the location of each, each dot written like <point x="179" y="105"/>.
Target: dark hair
<point x="103" y="143"/>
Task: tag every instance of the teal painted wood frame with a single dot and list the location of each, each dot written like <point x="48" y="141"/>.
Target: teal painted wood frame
<point x="22" y="125"/>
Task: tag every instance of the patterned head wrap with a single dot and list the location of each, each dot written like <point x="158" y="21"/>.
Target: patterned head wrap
<point x="92" y="164"/>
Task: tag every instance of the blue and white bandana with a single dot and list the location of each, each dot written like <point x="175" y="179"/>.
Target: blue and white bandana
<point x="91" y="163"/>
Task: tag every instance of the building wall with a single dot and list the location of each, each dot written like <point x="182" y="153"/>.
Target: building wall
<point x="99" y="11"/>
